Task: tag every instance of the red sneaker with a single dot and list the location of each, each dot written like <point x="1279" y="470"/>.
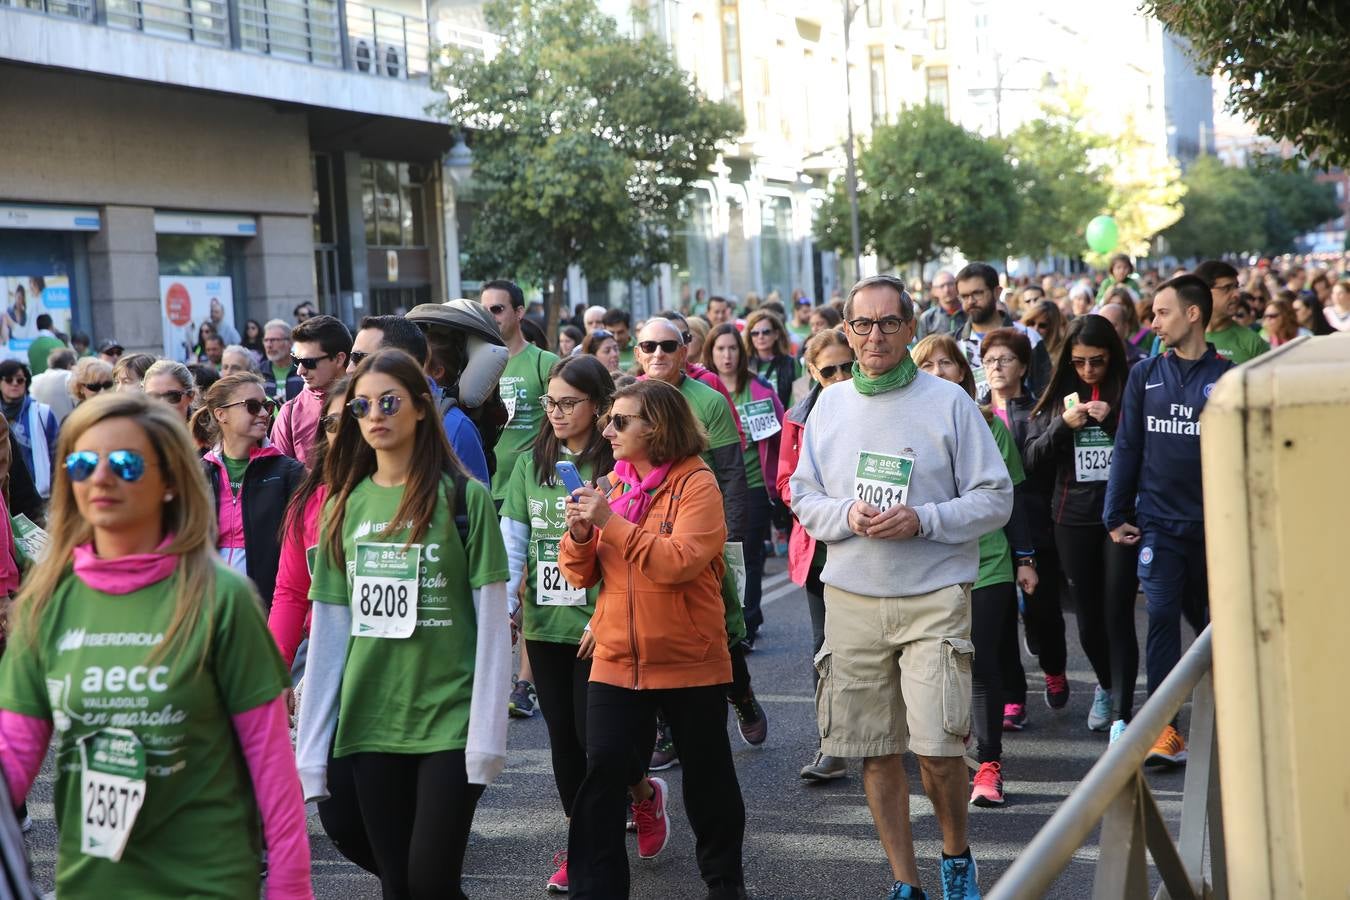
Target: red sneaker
<point x="653" y="825"/>
<point x="988" y="789"/>
<point x="558" y="883"/>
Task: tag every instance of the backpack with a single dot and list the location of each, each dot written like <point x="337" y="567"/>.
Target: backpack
<point x="489" y="418"/>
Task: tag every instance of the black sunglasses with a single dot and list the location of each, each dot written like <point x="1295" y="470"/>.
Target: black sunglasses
<point x="98" y="386"/>
<point x="621" y="422"/>
<point x="253" y="406"/>
<point x="828" y="372"/>
<point x="310" y="362"/>
<point x="665" y="346"/>
<point x="330" y="422"/>
<point x="356" y="356"/>
<point x="173" y="398"/>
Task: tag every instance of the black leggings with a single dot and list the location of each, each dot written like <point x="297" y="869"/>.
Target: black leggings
<point x="419" y="845"/>
<point x="340" y="814"/>
<point x="990" y="608"/>
<point x="1043" y="617"/>
<point x="1105" y="581"/>
<point x="619" y="726"/>
<point x="815" y="605"/>
<point x="756" y="533"/>
<point x="561" y="680"/>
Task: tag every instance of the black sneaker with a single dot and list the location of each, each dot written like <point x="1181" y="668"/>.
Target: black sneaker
<point x="523" y="701"/>
<point x="664" y="755"/>
<point x="752" y="721"/>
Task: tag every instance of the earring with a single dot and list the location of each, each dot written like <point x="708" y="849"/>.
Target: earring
<point x="168" y="497"/>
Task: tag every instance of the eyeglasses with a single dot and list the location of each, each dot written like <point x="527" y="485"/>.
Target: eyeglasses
<point x="999" y="362"/>
<point x="309" y="362"/>
<point x="127" y="465"/>
<point x="15" y="379"/>
<point x="275" y="340"/>
<point x="566" y="404"/>
<point x="601" y="334"/>
<point x="621" y="422"/>
<point x="356" y="356"/>
<point x="828" y="372"/>
<point x="1273" y="315"/>
<point x="330" y="422"/>
<point x="388" y="405"/>
<point x="1039" y="325"/>
<point x="763" y="332"/>
<point x="1091" y="362"/>
<point x="665" y="346"/>
<point x="498" y="308"/>
<point x="253" y="406"/>
<point x="173" y="398"/>
<point x="687" y="337"/>
<point x="888" y="325"/>
<point x="98" y="386"/>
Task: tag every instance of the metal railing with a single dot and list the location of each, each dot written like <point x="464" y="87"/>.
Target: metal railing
<point x="386" y="43"/>
<point x="1116" y="794"/>
<point x="302" y="31"/>
<point x="198" y="21"/>
<point x="66" y="9"/>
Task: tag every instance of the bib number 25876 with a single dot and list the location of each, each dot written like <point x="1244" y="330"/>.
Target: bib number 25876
<point x="882" y="479"/>
<point x="112" y="789"/>
<point x="384" y="591"/>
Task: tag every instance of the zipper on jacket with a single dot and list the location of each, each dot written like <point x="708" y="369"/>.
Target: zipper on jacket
<point x="632" y="626"/>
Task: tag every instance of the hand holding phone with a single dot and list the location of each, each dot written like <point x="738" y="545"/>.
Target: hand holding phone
<point x="570" y="477"/>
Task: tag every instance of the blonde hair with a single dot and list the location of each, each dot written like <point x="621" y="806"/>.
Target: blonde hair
<point x="189" y="517"/>
<point x="87" y="369"/>
<point x="203" y="425"/>
<point x="943" y="343"/>
<point x="780" y="341"/>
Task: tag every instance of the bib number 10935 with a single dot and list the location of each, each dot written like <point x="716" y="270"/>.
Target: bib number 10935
<point x="882" y="479"/>
<point x="384" y="591"/>
<point x="112" y="789"/>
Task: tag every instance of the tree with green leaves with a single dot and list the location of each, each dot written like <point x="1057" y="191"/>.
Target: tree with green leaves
<point x="584" y="142"/>
<point x="1285" y="62"/>
<point x="1296" y="202"/>
<point x="1224" y="212"/>
<point x="926" y="185"/>
<point x="1062" y="180"/>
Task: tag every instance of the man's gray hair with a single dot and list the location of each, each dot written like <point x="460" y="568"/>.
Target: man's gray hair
<point x="61" y="358"/>
<point x="890" y="281"/>
<point x="248" y="357"/>
<point x="668" y="323"/>
<point x="278" y="323"/>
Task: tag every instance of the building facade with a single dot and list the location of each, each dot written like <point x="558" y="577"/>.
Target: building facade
<point x="163" y="157"/>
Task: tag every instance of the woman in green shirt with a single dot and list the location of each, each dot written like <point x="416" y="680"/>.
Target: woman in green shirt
<point x="409" y="624"/>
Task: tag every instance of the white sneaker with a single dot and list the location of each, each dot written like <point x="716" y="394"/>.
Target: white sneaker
<point x="1099" y="716"/>
<point x="1117" y="730"/>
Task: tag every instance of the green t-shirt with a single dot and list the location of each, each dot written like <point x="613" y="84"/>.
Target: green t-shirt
<point x="39" y="350"/>
<point x="411" y="695"/>
<point x="710" y="407"/>
<point x="234" y="468"/>
<point x="279" y="376"/>
<point x="995" y="557"/>
<point x="523" y="381"/>
<point x="800" y="334"/>
<point x="754" y="472"/>
<point x="1237" y="344"/>
<point x="197" y="831"/>
<point x="544" y="509"/>
<point x="626" y="358"/>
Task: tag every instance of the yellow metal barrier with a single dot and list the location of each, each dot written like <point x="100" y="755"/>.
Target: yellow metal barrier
<point x="1276" y="452"/>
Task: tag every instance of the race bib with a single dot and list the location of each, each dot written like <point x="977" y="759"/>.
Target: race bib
<point x="384" y="592"/>
<point x="758" y="420"/>
<point x="733" y="552"/>
<point x="31" y="538"/>
<point x="1092" y="448"/>
<point x="883" y="478"/>
<point x="550" y="588"/>
<point x="112" y="788"/>
<point x="508" y="393"/>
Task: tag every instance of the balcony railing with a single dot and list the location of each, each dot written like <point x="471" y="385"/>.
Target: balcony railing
<point x="338" y="34"/>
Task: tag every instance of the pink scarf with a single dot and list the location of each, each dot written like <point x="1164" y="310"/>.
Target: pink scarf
<point x="633" y="503"/>
<point x="124" y="574"/>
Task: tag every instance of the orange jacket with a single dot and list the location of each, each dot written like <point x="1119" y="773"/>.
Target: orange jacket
<point x="659" y="620"/>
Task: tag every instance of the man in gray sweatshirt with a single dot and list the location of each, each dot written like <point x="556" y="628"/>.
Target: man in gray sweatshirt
<point x="899" y="476"/>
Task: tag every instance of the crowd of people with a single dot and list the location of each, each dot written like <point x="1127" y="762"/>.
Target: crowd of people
<point x="295" y="570"/>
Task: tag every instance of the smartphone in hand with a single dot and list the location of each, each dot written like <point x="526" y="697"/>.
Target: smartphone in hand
<point x="570" y="477"/>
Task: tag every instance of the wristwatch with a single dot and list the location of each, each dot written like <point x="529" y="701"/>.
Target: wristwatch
<point x="1026" y="561"/>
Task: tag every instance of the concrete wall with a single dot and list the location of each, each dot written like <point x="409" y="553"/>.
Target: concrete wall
<point x="76" y="139"/>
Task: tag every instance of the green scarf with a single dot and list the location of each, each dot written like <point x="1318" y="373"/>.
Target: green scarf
<point x="890" y="380"/>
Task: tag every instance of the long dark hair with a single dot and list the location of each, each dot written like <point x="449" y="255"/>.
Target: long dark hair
<point x="1090" y="331"/>
<point x="587" y="374"/>
<point x="742" y="355"/>
<point x="316" y="477"/>
<point x="351" y="460"/>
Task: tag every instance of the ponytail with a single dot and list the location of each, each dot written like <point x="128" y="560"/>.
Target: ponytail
<point x="203" y="425"/>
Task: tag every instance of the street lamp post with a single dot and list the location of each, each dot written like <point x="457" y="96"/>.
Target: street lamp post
<point x="850" y="10"/>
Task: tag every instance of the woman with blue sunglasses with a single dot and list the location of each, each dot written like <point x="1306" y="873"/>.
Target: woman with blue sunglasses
<point x="409" y="646"/>
<point x="151" y="663"/>
<point x="250" y="480"/>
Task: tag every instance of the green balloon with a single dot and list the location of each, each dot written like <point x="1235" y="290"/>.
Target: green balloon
<point x="1102" y="234"/>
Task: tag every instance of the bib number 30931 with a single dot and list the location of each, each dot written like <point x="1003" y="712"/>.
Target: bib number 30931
<point x="882" y="479"/>
<point x="384" y="592"/>
<point x="550" y="588"/>
<point x="1092" y="449"/>
<point x="112" y="789"/>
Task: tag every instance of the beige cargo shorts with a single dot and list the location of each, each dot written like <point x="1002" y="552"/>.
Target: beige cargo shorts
<point x="895" y="674"/>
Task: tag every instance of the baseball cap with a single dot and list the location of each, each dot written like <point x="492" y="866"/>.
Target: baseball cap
<point x="108" y="345"/>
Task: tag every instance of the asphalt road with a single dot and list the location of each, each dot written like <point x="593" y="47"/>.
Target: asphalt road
<point x="801" y="841"/>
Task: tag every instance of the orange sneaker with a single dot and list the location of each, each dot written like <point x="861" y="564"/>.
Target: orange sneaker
<point x="1168" y="750"/>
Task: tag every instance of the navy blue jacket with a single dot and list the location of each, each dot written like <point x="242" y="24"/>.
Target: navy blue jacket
<point x="1156" y="466"/>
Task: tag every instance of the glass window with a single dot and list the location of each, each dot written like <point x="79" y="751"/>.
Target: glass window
<point x="775" y="244"/>
<point x="876" y="72"/>
<point x="873" y="13"/>
<point x="387" y="213"/>
<point x="694" y="269"/>
<point x="731" y="51"/>
<point x="368" y="201"/>
<point x="937" y="85"/>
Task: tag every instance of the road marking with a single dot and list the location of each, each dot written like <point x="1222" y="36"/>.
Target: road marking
<point x="778" y="592"/>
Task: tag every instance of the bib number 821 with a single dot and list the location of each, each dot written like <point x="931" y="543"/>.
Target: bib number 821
<point x="384" y="600"/>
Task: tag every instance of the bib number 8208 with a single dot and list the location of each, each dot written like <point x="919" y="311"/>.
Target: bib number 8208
<point x="383" y="600"/>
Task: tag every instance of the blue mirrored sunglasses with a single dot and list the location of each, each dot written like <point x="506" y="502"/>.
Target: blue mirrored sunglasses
<point x="127" y="465"/>
<point x="388" y="405"/>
